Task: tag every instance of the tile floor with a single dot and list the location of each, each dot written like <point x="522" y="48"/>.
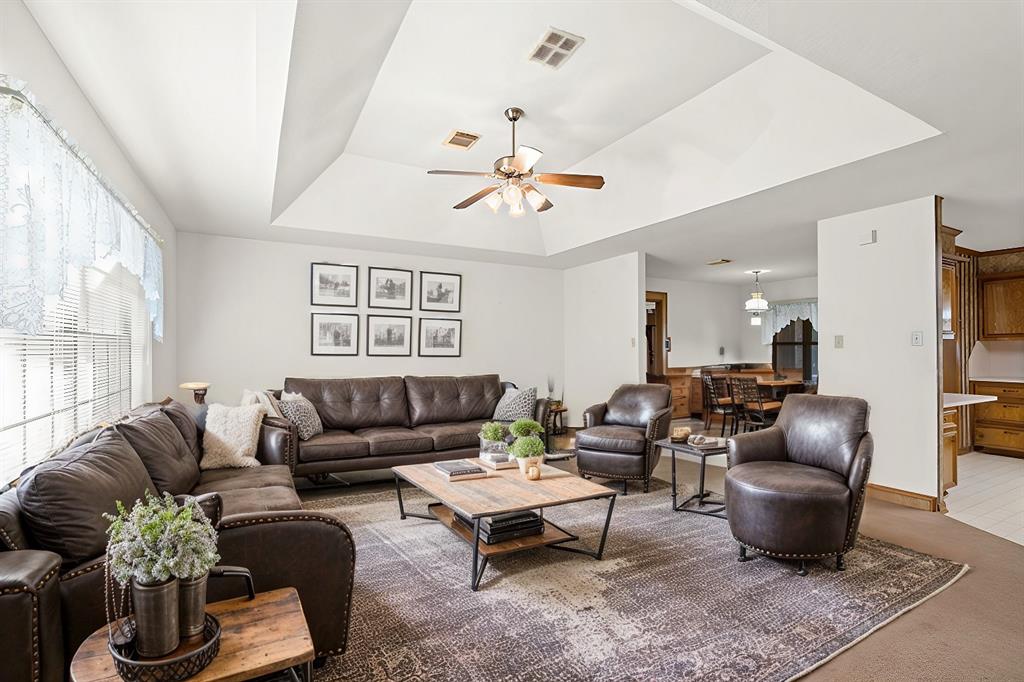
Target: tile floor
<point x="989" y="494"/>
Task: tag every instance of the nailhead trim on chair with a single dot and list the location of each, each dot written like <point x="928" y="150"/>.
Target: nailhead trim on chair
<point x="82" y="571"/>
<point x="322" y="519"/>
<point x="851" y="536"/>
<point x="33" y="592"/>
<point x="11" y="544"/>
<point x="786" y="556"/>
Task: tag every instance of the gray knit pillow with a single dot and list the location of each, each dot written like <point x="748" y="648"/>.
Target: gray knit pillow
<point x="516" y="404"/>
<point x="302" y="413"/>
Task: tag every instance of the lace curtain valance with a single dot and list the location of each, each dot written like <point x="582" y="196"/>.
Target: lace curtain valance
<point x="780" y="314"/>
<point x="55" y="211"/>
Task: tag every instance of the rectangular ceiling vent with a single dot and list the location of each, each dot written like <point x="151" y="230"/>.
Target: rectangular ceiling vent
<point x="555" y="48"/>
<point x="720" y="261"/>
<point x="460" y="139"/>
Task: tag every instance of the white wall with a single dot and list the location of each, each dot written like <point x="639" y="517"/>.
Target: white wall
<point x="875" y="296"/>
<point x="604" y="318"/>
<point x="246" y="317"/>
<point x="997" y="358"/>
<point x="27" y="55"/>
<point x="703" y="316"/>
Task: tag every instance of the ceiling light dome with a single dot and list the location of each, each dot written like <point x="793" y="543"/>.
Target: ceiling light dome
<point x="757" y="303"/>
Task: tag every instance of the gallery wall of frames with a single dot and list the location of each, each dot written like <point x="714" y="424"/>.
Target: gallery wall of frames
<point x="390" y="291"/>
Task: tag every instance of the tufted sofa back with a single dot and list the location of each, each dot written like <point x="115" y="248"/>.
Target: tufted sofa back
<point x="435" y="400"/>
<point x="352" y="404"/>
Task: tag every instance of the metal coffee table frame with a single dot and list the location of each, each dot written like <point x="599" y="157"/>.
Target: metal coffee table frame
<point x="480" y="565"/>
<point x="695" y="503"/>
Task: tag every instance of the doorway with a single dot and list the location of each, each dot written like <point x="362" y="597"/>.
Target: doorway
<point x="656" y="332"/>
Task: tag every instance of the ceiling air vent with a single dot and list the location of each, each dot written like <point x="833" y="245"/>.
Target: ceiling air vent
<point x="555" y="48"/>
<point x="720" y="261"/>
<point x="460" y="139"/>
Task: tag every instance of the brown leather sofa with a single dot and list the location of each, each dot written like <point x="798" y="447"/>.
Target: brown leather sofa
<point x="51" y="556"/>
<point x="618" y="438"/>
<point x="796" y="490"/>
<point x="381" y="422"/>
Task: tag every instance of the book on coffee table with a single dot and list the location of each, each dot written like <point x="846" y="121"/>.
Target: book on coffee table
<point x="495" y="529"/>
<point x="460" y="470"/>
<point x="498" y="462"/>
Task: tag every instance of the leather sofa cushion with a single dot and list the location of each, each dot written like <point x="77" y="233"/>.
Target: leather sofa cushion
<point x="392" y="440"/>
<point x="823" y="431"/>
<point x="439" y="400"/>
<point x="12" y="533"/>
<point x="612" y="439"/>
<point x="186" y="423"/>
<point x="351" y="404"/>
<point x="64" y="498"/>
<point x="163" y="451"/>
<point x="247" y="500"/>
<point x="453" y="435"/>
<point x="635" y="404"/>
<point x="610" y="464"/>
<point x="330" y="445"/>
<point x="265" y="476"/>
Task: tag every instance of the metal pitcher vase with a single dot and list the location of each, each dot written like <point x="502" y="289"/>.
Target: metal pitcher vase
<point x="156" y="617"/>
<point x="191" y="605"/>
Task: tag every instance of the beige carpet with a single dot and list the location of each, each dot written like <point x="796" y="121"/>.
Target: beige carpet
<point x="668" y="601"/>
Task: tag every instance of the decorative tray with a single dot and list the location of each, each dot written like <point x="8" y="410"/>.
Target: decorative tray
<point x="191" y="656"/>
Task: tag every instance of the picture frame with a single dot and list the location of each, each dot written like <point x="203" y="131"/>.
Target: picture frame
<point x="389" y="288"/>
<point x="331" y="284"/>
<point x="440" y="292"/>
<point x="388" y="335"/>
<point x="440" y="338"/>
<point x="334" y="334"/>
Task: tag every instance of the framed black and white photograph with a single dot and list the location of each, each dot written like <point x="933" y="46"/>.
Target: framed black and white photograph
<point x="440" y="338"/>
<point x="388" y="335"/>
<point x="390" y="288"/>
<point x="334" y="334"/>
<point x="440" y="292"/>
<point x="331" y="284"/>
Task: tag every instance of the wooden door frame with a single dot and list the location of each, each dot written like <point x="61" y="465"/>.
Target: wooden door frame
<point x="660" y="300"/>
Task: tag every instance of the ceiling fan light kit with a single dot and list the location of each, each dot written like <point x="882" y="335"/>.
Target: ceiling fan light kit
<point x="513" y="172"/>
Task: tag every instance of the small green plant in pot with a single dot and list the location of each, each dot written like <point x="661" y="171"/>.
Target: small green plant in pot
<point x="528" y="451"/>
<point x="156" y="548"/>
<point x="492" y="438"/>
<point x="523" y="428"/>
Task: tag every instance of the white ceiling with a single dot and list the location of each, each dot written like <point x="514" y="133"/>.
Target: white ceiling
<point x="722" y="132"/>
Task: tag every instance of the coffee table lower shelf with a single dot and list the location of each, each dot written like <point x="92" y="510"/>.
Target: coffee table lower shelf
<point x="552" y="534"/>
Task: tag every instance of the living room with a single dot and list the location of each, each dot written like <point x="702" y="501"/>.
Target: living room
<point x="260" y="256"/>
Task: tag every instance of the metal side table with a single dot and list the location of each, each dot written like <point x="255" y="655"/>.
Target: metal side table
<point x="701" y="502"/>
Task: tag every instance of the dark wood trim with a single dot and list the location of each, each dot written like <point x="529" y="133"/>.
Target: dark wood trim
<point x="660" y="299"/>
<point x="1000" y="252"/>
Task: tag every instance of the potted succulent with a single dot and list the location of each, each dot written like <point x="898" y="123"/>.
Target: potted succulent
<point x="492" y="438"/>
<point x="163" y="552"/>
<point x="527" y="448"/>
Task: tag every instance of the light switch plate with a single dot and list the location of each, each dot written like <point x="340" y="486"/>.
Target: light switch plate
<point x="916" y="338"/>
<point x="839" y="341"/>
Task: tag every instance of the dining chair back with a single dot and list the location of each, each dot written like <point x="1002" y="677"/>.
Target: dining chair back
<point x="756" y="412"/>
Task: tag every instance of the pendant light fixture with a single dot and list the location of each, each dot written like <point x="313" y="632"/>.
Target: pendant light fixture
<point x="757" y="303"/>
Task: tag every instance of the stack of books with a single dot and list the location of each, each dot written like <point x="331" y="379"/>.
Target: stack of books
<point x="495" y="529"/>
<point x="460" y="470"/>
<point x="497" y="460"/>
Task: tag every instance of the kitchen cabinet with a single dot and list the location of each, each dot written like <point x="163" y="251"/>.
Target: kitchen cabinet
<point x="999" y="426"/>
<point x="697" y="396"/>
<point x="949" y="447"/>
<point x="679" y="381"/>
<point x="1002" y="305"/>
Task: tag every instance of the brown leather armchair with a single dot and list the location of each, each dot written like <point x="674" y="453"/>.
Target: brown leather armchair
<point x="618" y="438"/>
<point x="796" y="490"/>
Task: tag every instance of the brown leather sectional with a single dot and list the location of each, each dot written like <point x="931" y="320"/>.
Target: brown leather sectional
<point x="52" y="538"/>
<point x="381" y="422"/>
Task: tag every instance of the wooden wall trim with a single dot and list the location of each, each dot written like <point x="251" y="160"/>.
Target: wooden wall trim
<point x="968" y="331"/>
<point x="904" y="498"/>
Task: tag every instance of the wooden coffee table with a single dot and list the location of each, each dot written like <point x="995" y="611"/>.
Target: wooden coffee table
<point x="502" y="492"/>
<point x="259" y="636"/>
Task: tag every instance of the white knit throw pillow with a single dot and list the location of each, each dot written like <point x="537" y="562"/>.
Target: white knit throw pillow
<point x="231" y="436"/>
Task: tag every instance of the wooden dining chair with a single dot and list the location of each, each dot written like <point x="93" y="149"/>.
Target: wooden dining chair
<point x="720" y="402"/>
<point x="757" y="412"/>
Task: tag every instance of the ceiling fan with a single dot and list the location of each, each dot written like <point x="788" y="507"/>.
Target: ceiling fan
<point x="514" y="172"/>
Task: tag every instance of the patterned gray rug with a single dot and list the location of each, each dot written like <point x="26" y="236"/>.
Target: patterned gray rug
<point x="668" y="601"/>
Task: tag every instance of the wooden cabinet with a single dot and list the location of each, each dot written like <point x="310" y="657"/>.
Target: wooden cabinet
<point x="679" y="380"/>
<point x="949" y="447"/>
<point x="999" y="426"/>
<point x="697" y="396"/>
<point x="1002" y="305"/>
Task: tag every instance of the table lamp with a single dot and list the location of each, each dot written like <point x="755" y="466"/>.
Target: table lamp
<point x="198" y="389"/>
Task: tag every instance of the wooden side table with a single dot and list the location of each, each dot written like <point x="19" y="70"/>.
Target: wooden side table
<point x="259" y="636"/>
<point x="555" y="425"/>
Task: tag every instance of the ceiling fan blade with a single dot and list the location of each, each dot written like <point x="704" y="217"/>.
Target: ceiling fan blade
<point x="526" y="158"/>
<point x="483" y="174"/>
<point x="571" y="180"/>
<point x="476" y="197"/>
<point x="536" y="198"/>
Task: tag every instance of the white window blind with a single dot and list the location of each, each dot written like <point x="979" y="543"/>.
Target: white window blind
<point x="88" y="364"/>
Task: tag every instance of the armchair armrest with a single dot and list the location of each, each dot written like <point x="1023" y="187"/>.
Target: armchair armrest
<point x="594" y="415"/>
<point x="541" y="412"/>
<point x="857" y="480"/>
<point x="278" y="442"/>
<point x="32" y="646"/>
<point x="767" y="445"/>
<point x="657" y="427"/>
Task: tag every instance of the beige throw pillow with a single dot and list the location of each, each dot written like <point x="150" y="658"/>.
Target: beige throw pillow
<point x="231" y="436"/>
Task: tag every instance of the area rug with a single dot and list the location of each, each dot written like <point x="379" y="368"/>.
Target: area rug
<point x="668" y="601"/>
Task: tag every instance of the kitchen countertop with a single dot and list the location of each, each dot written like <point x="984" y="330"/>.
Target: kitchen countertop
<point x="961" y="399"/>
<point x="1012" y="380"/>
